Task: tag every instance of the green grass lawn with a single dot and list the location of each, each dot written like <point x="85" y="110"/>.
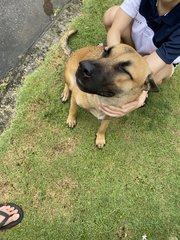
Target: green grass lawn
<point x="70" y="190"/>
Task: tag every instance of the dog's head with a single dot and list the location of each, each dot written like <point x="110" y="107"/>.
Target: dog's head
<point x="120" y="70"/>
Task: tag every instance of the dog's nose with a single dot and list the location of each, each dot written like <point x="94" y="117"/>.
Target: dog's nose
<point x="87" y="67"/>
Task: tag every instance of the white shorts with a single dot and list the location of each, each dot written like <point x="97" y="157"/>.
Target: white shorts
<point x="142" y="34"/>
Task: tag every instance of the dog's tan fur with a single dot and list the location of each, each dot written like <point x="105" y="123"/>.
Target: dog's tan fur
<point x="131" y="88"/>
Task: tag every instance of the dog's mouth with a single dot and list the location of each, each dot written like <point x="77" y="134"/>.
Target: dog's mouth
<point x="91" y="90"/>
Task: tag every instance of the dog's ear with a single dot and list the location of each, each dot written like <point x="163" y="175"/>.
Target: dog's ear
<point x="107" y="51"/>
<point x="150" y="85"/>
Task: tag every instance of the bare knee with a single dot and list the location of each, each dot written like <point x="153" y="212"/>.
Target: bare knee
<point x="109" y="16"/>
<point x="165" y="73"/>
<point x="108" y="20"/>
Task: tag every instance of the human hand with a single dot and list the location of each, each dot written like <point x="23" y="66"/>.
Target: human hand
<point x="113" y="111"/>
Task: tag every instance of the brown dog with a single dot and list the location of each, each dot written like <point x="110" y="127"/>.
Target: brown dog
<point x="112" y="77"/>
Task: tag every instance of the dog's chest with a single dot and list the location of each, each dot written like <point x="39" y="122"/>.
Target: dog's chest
<point x="90" y="103"/>
<point x="99" y="115"/>
<point x="94" y="106"/>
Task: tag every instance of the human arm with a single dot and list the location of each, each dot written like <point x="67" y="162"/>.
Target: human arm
<point x="120" y="20"/>
<point x="118" y="26"/>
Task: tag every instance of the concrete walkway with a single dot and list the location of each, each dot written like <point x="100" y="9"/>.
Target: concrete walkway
<point x="21" y="23"/>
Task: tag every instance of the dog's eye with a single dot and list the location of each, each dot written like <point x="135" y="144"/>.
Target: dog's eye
<point x="121" y="67"/>
<point x="125" y="64"/>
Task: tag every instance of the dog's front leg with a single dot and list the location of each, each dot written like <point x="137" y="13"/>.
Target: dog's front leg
<point x="100" y="136"/>
<point x="65" y="94"/>
<point x="71" y="120"/>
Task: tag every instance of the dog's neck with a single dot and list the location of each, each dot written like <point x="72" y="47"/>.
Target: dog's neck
<point x="95" y="101"/>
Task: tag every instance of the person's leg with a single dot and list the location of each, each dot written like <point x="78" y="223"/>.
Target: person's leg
<point x="109" y="17"/>
<point x="163" y="73"/>
<point x="108" y="20"/>
<point x="166" y="72"/>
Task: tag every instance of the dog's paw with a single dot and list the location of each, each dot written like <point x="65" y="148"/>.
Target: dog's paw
<point x="71" y="122"/>
<point x="65" y="94"/>
<point x="100" y="141"/>
<point x="64" y="97"/>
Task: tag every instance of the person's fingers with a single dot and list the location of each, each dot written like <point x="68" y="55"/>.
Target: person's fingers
<point x="145" y="93"/>
<point x="129" y="105"/>
<point x="142" y="98"/>
<point x="111" y="111"/>
<point x="138" y="103"/>
<point x="106" y="48"/>
<point x="114" y="111"/>
<point x="111" y="108"/>
<point x="121" y="110"/>
<point x="117" y="111"/>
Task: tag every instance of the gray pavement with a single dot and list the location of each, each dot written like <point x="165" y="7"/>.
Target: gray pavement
<point x="14" y="78"/>
<point x="21" y="23"/>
